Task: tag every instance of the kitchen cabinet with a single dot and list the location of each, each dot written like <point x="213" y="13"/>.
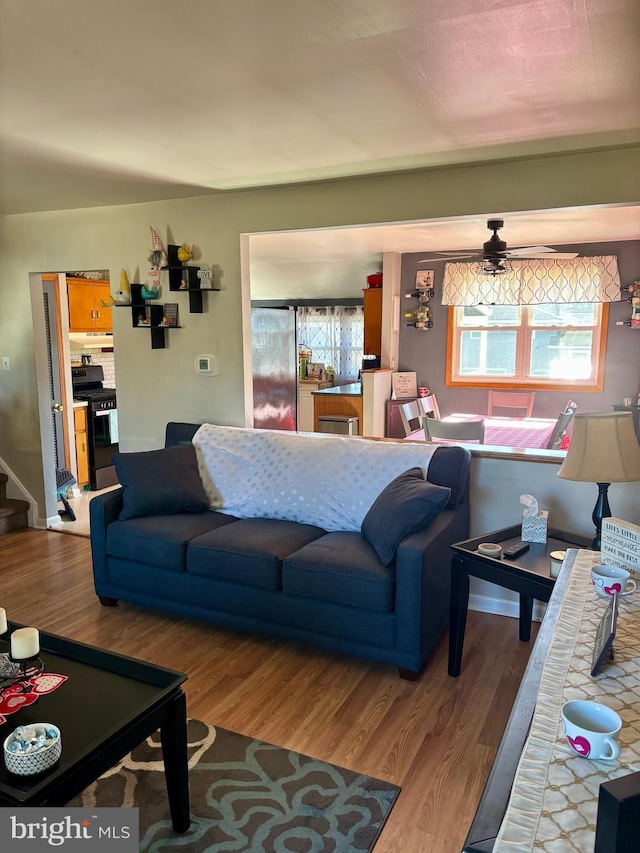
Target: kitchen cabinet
<point x="343" y="400"/>
<point x="306" y="387"/>
<point x="86" y="314"/>
<point x="82" y="445"/>
<point x="372" y="310"/>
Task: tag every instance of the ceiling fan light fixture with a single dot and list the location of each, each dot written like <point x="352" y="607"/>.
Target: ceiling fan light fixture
<point x="492" y="266"/>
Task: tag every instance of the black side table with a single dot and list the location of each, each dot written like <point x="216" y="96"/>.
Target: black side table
<point x="529" y="575"/>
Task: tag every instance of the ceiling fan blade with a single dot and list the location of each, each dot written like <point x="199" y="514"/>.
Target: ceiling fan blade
<point x="530" y="250"/>
<point x="557" y="256"/>
<point x="441" y="256"/>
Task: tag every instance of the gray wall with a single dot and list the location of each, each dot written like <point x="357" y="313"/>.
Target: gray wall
<point x="425" y="351"/>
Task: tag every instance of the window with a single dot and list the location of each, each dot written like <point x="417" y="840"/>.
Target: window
<point x="559" y="346"/>
<point x="335" y="335"/>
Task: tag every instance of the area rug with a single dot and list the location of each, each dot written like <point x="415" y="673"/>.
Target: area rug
<point x="247" y="795"/>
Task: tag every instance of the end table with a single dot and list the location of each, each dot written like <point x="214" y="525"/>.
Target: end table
<point x="529" y="575"/>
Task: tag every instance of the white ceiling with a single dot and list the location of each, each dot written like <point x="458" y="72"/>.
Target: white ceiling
<point x="135" y="100"/>
<point x="548" y="227"/>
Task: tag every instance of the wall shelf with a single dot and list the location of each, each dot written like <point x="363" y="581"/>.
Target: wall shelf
<point x="189" y="273"/>
<point x="152" y="313"/>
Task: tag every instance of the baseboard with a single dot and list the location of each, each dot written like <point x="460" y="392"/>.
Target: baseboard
<point x="15" y="485"/>
<point x="502" y="607"/>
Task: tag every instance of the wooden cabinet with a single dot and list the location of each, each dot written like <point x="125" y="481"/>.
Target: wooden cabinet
<point x="306" y="387"/>
<point x="82" y="446"/>
<point x="86" y="314"/>
<point x="372" y="321"/>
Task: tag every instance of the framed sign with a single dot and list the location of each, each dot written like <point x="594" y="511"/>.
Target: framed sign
<point x="424" y="279"/>
<point x="403" y="385"/>
<point x="602" y="649"/>
<point x="621" y="544"/>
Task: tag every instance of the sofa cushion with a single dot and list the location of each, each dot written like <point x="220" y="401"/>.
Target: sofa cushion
<point x="341" y="567"/>
<point x="409" y="503"/>
<point x="159" y="482"/>
<point x="250" y="551"/>
<point x="450" y="467"/>
<point x="162" y="540"/>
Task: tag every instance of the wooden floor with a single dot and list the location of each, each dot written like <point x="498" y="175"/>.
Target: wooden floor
<point x="435" y="737"/>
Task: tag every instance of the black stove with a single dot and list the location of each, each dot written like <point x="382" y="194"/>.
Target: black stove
<point x="102" y="422"/>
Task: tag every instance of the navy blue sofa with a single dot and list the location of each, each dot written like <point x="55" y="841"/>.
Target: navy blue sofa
<point x="285" y="579"/>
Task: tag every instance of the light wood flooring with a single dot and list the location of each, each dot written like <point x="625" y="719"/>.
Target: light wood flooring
<point x="436" y="737"/>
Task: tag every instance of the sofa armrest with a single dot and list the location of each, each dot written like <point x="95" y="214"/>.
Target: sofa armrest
<point x="103" y="510"/>
<point x="423" y="581"/>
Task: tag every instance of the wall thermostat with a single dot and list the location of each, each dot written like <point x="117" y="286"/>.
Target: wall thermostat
<point x="207" y="365"/>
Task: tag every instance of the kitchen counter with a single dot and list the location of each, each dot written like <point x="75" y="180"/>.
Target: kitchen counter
<point x="342" y="400"/>
<point x="352" y="390"/>
<point x="79" y="404"/>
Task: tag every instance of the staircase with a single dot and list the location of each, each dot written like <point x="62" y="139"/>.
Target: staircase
<point x="13" y="513"/>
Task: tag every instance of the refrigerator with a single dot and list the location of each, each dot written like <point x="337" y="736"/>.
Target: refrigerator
<point x="275" y="368"/>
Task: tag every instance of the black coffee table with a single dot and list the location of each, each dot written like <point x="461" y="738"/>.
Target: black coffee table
<point x="109" y="704"/>
<point x="529" y="575"/>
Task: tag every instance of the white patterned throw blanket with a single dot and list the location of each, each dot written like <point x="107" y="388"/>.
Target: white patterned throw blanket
<point x="319" y="479"/>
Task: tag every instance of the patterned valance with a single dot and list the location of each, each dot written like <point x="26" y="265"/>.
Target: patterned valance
<point x="534" y="282"/>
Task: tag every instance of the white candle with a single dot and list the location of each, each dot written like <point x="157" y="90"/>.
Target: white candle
<point x="25" y="643"/>
<point x="3" y="620"/>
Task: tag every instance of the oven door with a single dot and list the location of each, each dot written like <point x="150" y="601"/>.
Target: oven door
<point x="103" y="440"/>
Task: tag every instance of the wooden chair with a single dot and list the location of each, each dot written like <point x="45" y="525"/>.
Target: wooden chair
<point x="429" y="406"/>
<point x="560" y="429"/>
<point x="411" y="414"/>
<point x="454" y="430"/>
<point x="511" y="400"/>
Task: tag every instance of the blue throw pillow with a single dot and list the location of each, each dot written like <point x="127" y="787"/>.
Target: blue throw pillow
<point x="160" y="482"/>
<point x="409" y="503"/>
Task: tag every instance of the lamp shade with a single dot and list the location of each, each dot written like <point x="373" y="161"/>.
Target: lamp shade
<point x="603" y="449"/>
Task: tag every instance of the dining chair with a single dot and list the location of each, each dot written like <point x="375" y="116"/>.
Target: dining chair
<point x="454" y="430"/>
<point x="429" y="406"/>
<point x="560" y="429"/>
<point x="411" y="414"/>
<point x="511" y="400"/>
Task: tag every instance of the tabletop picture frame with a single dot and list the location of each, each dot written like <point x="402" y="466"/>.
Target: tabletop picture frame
<point x="603" y="648"/>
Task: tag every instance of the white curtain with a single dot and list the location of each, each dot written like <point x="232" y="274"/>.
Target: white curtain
<point x="534" y="282"/>
<point x="335" y="336"/>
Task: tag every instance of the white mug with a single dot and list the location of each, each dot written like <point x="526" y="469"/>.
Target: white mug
<point x="608" y="579"/>
<point x="591" y="729"/>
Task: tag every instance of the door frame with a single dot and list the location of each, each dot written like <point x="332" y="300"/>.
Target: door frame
<point x="48" y="516"/>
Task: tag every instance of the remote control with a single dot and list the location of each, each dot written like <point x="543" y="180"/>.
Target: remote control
<point x="514" y="551"/>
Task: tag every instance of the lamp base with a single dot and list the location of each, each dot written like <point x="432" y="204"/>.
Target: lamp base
<point x="600" y="511"/>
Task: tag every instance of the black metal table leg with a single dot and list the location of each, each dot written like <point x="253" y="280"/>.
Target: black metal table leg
<point x="457" y="614"/>
<point x="173" y="735"/>
<point x="526" y="615"/>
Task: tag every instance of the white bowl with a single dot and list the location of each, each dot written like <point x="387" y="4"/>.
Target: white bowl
<point x="30" y="763"/>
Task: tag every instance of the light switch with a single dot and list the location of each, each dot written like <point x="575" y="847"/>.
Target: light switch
<point x="6" y="364"/>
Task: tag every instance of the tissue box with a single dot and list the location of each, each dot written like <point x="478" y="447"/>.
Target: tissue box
<point x="534" y="527"/>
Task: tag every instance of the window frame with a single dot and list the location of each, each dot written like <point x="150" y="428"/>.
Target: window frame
<point x="524" y="331"/>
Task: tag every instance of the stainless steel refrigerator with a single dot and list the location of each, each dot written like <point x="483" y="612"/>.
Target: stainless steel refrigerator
<point x="275" y="368"/>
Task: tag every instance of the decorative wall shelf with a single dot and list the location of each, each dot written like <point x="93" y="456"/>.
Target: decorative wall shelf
<point x="152" y="316"/>
<point x="420" y="317"/>
<point x="187" y="278"/>
<point x="633" y="296"/>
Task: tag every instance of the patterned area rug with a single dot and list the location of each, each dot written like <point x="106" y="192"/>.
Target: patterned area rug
<point x="248" y="796"/>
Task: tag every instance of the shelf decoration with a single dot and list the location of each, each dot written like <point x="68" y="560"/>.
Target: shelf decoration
<point x="421" y="317"/>
<point x="633" y="291"/>
<point x="123" y="296"/>
<point x="157" y="258"/>
<point x="192" y="278"/>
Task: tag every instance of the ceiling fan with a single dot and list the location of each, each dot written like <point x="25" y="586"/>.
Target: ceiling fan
<point x="495" y="255"/>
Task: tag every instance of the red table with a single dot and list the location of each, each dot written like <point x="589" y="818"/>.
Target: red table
<point x="504" y="432"/>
